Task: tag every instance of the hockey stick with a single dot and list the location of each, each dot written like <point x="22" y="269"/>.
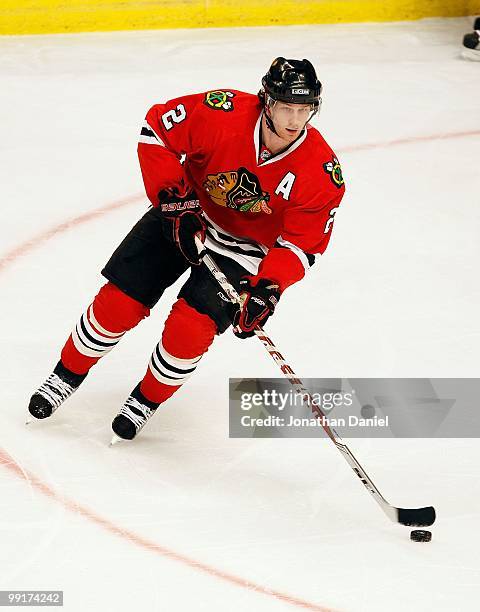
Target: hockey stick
<point x="418" y="517"/>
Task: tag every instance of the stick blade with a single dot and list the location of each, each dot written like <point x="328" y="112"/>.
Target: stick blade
<point x="416" y="517"/>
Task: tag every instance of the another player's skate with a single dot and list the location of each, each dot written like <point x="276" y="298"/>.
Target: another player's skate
<point x="55" y="390"/>
<point x="133" y="416"/>
<point x="471" y="43"/>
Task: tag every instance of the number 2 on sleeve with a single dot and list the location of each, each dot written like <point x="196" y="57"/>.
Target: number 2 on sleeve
<point x="176" y="115"/>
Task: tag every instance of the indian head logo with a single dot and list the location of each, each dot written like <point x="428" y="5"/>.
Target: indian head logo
<point x="334" y="169"/>
<point x="219" y="100"/>
<point x="237" y="189"/>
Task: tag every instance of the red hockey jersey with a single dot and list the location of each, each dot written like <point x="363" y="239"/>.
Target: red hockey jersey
<point x="271" y="215"/>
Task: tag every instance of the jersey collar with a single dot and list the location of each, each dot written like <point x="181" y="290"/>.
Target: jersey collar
<point x="278" y="156"/>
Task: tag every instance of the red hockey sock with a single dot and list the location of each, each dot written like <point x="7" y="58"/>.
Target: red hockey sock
<point x="101" y="328"/>
<point x="186" y="337"/>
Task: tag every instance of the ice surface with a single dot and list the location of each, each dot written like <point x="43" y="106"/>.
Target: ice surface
<point x="396" y="294"/>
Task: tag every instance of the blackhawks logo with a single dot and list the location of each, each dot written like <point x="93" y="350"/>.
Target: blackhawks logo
<point x="334" y="169"/>
<point x="237" y="189"/>
<point x="220" y="100"/>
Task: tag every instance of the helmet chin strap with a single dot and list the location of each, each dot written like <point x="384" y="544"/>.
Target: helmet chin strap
<point x="269" y="121"/>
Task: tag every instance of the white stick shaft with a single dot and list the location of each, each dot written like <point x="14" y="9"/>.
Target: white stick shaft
<point x="296" y="382"/>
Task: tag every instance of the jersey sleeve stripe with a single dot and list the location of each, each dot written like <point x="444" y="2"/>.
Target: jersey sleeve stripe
<point x="306" y="259"/>
<point x="149" y="136"/>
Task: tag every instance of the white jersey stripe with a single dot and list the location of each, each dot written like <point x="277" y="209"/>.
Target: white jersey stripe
<point x="244" y="246"/>
<point x="250" y="264"/>
<point x="238" y="240"/>
<point x="250" y="258"/>
<point x="297" y="250"/>
<point x="149" y="140"/>
<point x="149" y="127"/>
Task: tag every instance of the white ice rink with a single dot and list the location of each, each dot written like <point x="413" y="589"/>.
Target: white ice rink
<point x="184" y="518"/>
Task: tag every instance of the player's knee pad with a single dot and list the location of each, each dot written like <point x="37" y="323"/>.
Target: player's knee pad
<point x="186" y="337"/>
<point x="115" y="311"/>
<point x="187" y="333"/>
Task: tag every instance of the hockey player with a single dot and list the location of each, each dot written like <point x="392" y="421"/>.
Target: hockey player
<point x="258" y="185"/>
<point x="471" y="43"/>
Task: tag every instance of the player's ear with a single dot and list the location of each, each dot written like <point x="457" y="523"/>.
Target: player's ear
<point x="268" y="108"/>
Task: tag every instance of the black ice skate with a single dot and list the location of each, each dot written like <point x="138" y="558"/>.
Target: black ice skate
<point x="133" y="415"/>
<point x="471" y="43"/>
<point x="55" y="390"/>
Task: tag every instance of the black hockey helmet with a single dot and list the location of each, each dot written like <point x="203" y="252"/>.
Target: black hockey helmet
<point x="293" y="81"/>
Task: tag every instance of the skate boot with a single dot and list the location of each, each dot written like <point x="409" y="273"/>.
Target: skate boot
<point x="55" y="390"/>
<point x="471" y="43"/>
<point x="133" y="415"/>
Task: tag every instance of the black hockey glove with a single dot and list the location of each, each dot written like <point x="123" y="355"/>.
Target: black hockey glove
<point x="258" y="303"/>
<point x="182" y="221"/>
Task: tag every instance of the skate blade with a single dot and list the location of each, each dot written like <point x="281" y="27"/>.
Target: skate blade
<point x="28" y="419"/>
<point x="115" y="439"/>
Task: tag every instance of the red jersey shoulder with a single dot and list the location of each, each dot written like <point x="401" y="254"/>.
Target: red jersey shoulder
<point x="221" y="102"/>
<point x="229" y="100"/>
<point x="223" y="116"/>
<point x="182" y="106"/>
<point x="229" y="107"/>
<point x="320" y="166"/>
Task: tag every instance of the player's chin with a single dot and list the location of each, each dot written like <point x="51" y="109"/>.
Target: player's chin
<point x="291" y="134"/>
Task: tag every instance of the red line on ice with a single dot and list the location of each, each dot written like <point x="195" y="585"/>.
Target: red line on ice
<point x="408" y="140"/>
<point x="9" y="463"/>
<point x="44" y="236"/>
